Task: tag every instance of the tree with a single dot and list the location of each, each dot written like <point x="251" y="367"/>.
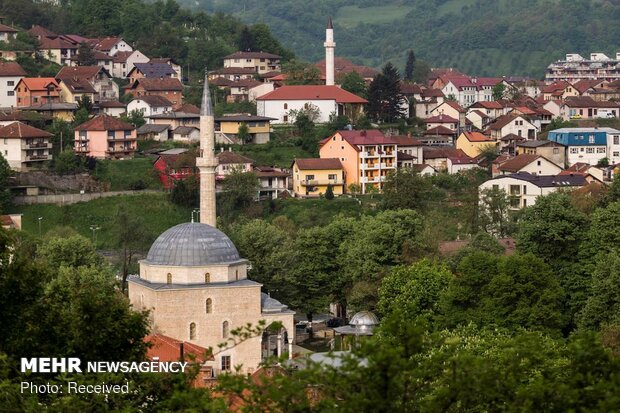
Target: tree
<point x="602" y="307"/>
<point x="603" y="162"/>
<point x="135" y="117"/>
<point x="185" y="192"/>
<point x="243" y="133"/>
<point x="499" y="91"/>
<point x="5" y="175"/>
<point x="85" y="103"/>
<point x="246" y="43"/>
<point x="354" y="189"/>
<point x="494" y="212"/>
<point x="405" y="189"/>
<point x="85" y="55"/>
<point x="329" y="192"/>
<point x="239" y="191"/>
<point x="67" y="162"/>
<point x="354" y="83"/>
<point x="131" y="236"/>
<point x="385" y="101"/>
<point x="81" y="116"/>
<point x="410" y="66"/>
<point x="74" y="251"/>
<point x="301" y="73"/>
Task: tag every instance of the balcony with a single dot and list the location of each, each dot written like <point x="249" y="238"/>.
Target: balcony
<point x="81" y="149"/>
<point x="369" y="154"/>
<point x="120" y="149"/>
<point x="122" y="138"/>
<point x="33" y="158"/>
<point x="37" y="145"/>
<point x="314" y="182"/>
<point x="369" y="179"/>
<point x="366" y="167"/>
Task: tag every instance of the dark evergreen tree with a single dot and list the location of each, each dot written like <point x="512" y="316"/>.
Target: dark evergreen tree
<point x="85" y="55"/>
<point x="384" y="97"/>
<point x="329" y="192"/>
<point x="247" y="42"/>
<point x="410" y="66"/>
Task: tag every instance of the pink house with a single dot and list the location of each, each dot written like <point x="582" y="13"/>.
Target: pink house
<point x="105" y="136"/>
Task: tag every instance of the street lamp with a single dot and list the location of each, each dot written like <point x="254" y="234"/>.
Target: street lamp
<point x="94" y="228"/>
<point x="40" y="218"/>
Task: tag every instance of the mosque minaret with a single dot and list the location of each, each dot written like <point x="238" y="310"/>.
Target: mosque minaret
<point x="330" y="45"/>
<point x="207" y="162"/>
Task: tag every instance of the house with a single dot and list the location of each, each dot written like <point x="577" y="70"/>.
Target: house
<point x="178" y="69"/>
<point x="449" y="108"/>
<point x="112" y="108"/>
<point x="367" y="156"/>
<point x="523" y="188"/>
<point x="442" y="120"/>
<point x="170" y="88"/>
<point x="437" y="157"/>
<point x="613" y="147"/>
<point x="232" y="73"/>
<point x="589" y="172"/>
<point x="240" y="90"/>
<point x="439" y="135"/>
<point x="97" y="76"/>
<point x="25" y="147"/>
<point x="467" y="90"/>
<point x="426" y="102"/>
<point x="473" y="143"/>
<point x="559" y="90"/>
<point x="479" y="119"/>
<point x="7" y="33"/>
<point x="150" y="105"/>
<point x="409" y="146"/>
<point x="273" y="182"/>
<point x="153" y="132"/>
<point x="57" y="49"/>
<point x="584" y="107"/>
<point x="424" y="169"/>
<point x="229" y="162"/>
<point x="105" y="137"/>
<point x="54" y="110"/>
<point x="175" y="165"/>
<point x="493" y="109"/>
<point x="457" y="164"/>
<point x="259" y="62"/>
<point x="124" y="62"/>
<point x="11" y="221"/>
<point x="512" y="123"/>
<point x="185" y="134"/>
<point x="111" y="45"/>
<point x="532" y="164"/>
<point x="151" y="70"/>
<point x="33" y="91"/>
<point x="10" y="75"/>
<point x="227" y="128"/>
<point x="343" y="67"/>
<point x="73" y="90"/>
<point x="311" y="177"/>
<point x="587" y="145"/>
<point x="175" y="119"/>
<point x="553" y="151"/>
<point x="326" y="100"/>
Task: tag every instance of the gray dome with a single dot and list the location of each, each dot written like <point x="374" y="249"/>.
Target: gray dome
<point x="192" y="244"/>
<point x="364" y="319"/>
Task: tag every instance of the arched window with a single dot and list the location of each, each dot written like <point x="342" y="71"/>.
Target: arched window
<point x="209" y="306"/>
<point x="286" y="106"/>
<point x="225" y="329"/>
<point x="237" y="275"/>
<point x="192" y="331"/>
<point x="207" y="278"/>
<point x="169" y="278"/>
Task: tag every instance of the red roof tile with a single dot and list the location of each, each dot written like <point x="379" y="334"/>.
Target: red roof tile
<point x="518" y="162"/>
<point x="7" y="29"/>
<point x="439" y="131"/>
<point x="441" y="119"/>
<point x="106" y="44"/>
<point x="11" y="69"/>
<point x="40" y="31"/>
<point x="79" y="72"/>
<point x="477" y="137"/>
<point x="104" y="123"/>
<point x="168" y="349"/>
<point x="228" y="157"/>
<point x="39" y="83"/>
<point x="309" y="92"/>
<point x="21" y="130"/>
<point x="318" y="163"/>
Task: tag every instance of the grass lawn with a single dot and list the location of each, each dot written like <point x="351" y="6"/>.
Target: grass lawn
<point x="137" y="173"/>
<point x="155" y="209"/>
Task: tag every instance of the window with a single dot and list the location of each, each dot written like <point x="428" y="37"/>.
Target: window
<point x="192" y="331"/>
<point x="589" y="150"/>
<point x="556" y="151"/>
<point x="207" y="278"/>
<point x="591" y="139"/>
<point x="515" y="202"/>
<point x="616" y="154"/>
<point x="496" y="187"/>
<point x="524" y="190"/>
<point x="111" y="134"/>
<point x="225" y="329"/>
<point x="331" y="177"/>
<point x="616" y="140"/>
<point x="285" y="118"/>
<point x="225" y="363"/>
<point x="538" y="163"/>
<point x="10" y="83"/>
<point x="601" y="150"/>
<point x="515" y="190"/>
<point x="10" y="93"/>
<point x="237" y="275"/>
<point x="285" y="106"/>
<point x="209" y="306"/>
<point x="169" y="278"/>
<point x="524" y="203"/>
<point x="309" y="177"/>
<point x="6" y="141"/>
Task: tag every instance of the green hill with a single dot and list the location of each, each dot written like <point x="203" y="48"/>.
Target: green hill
<point x="483" y="37"/>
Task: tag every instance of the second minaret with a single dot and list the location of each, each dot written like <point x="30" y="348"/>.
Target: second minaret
<point x="206" y="160"/>
<point x="330" y="45"/>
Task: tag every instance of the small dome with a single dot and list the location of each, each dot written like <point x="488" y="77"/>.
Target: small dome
<point x="364" y="319"/>
<point x="192" y="244"/>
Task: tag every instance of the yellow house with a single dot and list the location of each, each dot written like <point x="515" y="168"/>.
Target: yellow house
<point x="312" y="176"/>
<point x="227" y="128"/>
<point x="61" y="111"/>
<point x="72" y="90"/>
<point x="472" y="143"/>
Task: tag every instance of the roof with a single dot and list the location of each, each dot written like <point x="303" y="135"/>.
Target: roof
<point x="222" y="82"/>
<point x="46" y="43"/>
<point x="184" y="130"/>
<point x="104" y="123"/>
<point x="503" y="121"/>
<point x="420" y="167"/>
<point x="248" y="83"/>
<point x="119" y="57"/>
<point x="178" y="160"/>
<point x="518" y="162"/>
<point x="454" y="105"/>
<point x="229" y="157"/>
<point x="189" y="108"/>
<point x="158" y="84"/>
<point x="358" y="138"/>
<point x="51" y="106"/>
<point x="168" y="349"/>
<point x="78" y="85"/>
<point x="584" y="84"/>
<point x="112" y="104"/>
<point x="586" y="130"/>
<point x="175" y="115"/>
<point x="40" y="31"/>
<point x="558" y="86"/>
<point x="152" y="128"/>
<point x="242" y="118"/>
<point x="318" y="163"/>
<point x="405" y="140"/>
<point x="11" y="69"/>
<point x="154" y="100"/>
<point x="252" y="55"/>
<point x="106" y="44"/>
<point x="488" y="104"/>
<point x="479" y="113"/>
<point x="155" y="70"/>
<point x="192" y="244"/>
<point x="439" y="131"/>
<point x="407" y="88"/>
<point x="343" y="66"/>
<point x="536" y="144"/>
<point x="402" y="156"/>
<point x="313" y="92"/>
<point x="476" y="137"/>
<point x="7" y="29"/>
<point x="441" y="119"/>
<point x="512" y="137"/>
<point x="430" y="92"/>
<point x="588" y="102"/>
<point x="440" y="153"/>
<point x="269" y="172"/>
<point x="21" y="130"/>
<point x="79" y="72"/>
<point x="39" y="83"/>
<point x="547" y="181"/>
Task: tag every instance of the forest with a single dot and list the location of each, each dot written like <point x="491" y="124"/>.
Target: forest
<point x="479" y="37"/>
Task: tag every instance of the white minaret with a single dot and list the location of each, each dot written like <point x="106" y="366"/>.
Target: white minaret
<point x="330" y="45"/>
<point x="206" y="161"/>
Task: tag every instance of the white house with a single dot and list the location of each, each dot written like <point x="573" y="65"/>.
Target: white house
<point x="10" y="75"/>
<point x="124" y="61"/>
<point x="532" y="164"/>
<point x="111" y="45"/>
<point x="186" y="134"/>
<point x="272" y="182"/>
<point x="524" y="188"/>
<point x="112" y="108"/>
<point x="449" y="108"/>
<point x="150" y="105"/>
<point x="25" y="147"/>
<point x="456" y="164"/>
<point x="513" y="124"/>
<point x="326" y="100"/>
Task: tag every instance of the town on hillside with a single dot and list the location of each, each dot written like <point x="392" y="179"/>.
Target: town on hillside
<point x="263" y="219"/>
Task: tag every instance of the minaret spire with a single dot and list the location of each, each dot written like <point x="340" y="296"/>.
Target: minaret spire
<point x="330" y="45"/>
<point x="206" y="161"/>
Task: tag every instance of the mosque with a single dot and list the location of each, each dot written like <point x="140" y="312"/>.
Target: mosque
<point x="195" y="283"/>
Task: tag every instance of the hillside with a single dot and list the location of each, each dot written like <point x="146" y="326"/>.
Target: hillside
<point x="483" y="37"/>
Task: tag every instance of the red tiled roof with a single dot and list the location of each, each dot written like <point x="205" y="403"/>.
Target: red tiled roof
<point x="309" y="92"/>
<point x="168" y="349"/>
<point x="318" y="163"/>
<point x="79" y="72"/>
<point x="503" y="121"/>
<point x="358" y="138"/>
<point x="405" y="140"/>
<point x="165" y="84"/>
<point x="78" y="85"/>
<point x="454" y="105"/>
<point x="477" y="137"/>
<point x="7" y="29"/>
<point x="121" y="57"/>
<point x="106" y="44"/>
<point x="584" y="84"/>
<point x="104" y="123"/>
<point x="480" y="113"/>
<point x="588" y="102"/>
<point x="21" y="130"/>
<point x="518" y="162"/>
<point x="438" y="153"/>
<point x="228" y="157"/>
<point x="441" y="119"/>
<point x="40" y="31"/>
<point x="234" y="71"/>
<point x="47" y="43"/>
<point x="410" y="88"/>
<point x="432" y="93"/>
<point x="344" y="66"/>
<point x="112" y="104"/>
<point x="439" y="131"/>
<point x="39" y="83"/>
<point x="11" y="69"/>
<point x="189" y="108"/>
<point x="556" y="86"/>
